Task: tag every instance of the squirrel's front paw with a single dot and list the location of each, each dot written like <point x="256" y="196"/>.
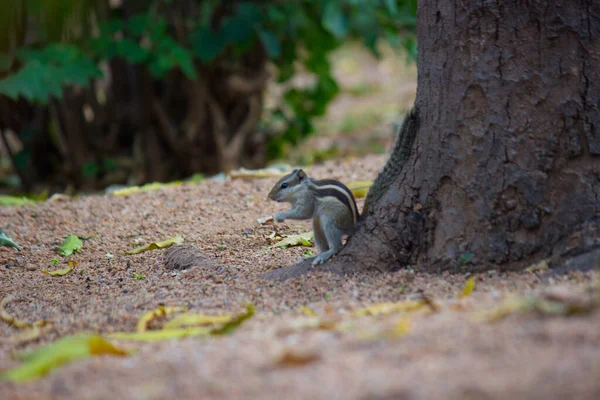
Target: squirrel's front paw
<point x="279" y="217"/>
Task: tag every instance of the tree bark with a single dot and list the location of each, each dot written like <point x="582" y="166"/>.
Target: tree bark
<point x="506" y="160"/>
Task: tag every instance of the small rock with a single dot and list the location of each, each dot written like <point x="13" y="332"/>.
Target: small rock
<point x="100" y="280"/>
<point x="31" y="267"/>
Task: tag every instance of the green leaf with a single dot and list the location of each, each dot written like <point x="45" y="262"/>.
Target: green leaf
<point x="334" y="19"/>
<point x="71" y="244"/>
<point x="6" y="200"/>
<point x="7" y="241"/>
<point x="39" y="362"/>
<point x="207" y="44"/>
<point x="235" y="323"/>
<point x="271" y="43"/>
<point x="391" y="6"/>
<point x="131" y="51"/>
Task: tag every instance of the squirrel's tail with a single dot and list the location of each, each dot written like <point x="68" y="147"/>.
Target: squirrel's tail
<point x="399" y="155"/>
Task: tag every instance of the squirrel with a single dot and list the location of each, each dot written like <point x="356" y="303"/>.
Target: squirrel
<point x="330" y="204"/>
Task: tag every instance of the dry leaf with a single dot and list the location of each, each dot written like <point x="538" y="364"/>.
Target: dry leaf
<point x="146" y="317"/>
<point x="271" y="172"/>
<point x="9" y="319"/>
<point x="264" y="220"/>
<point x="539" y="267"/>
<point x="326" y="323"/>
<point x="303" y="239"/>
<point x="389" y="308"/>
<point x="157" y="245"/>
<point x="196" y="320"/>
<point x="359" y="188"/>
<point x="26" y="335"/>
<point x="39" y="362"/>
<point x="307" y="311"/>
<point x="469" y="286"/>
<point x="144" y="188"/>
<point x="235" y="323"/>
<point x="161" y="334"/>
<point x="509" y="306"/>
<point x="400" y="328"/>
<point x="294" y="357"/>
<point x="64" y="271"/>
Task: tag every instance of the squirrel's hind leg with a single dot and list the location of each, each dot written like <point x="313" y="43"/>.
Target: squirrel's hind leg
<point x="333" y="238"/>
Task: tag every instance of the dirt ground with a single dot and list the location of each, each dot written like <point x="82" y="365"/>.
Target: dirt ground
<point x="418" y="355"/>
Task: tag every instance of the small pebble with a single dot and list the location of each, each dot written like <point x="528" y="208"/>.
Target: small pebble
<point x="31" y="267"/>
<point x="100" y="280"/>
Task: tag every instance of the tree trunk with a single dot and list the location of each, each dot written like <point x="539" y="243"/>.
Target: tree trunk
<point x="506" y="160"/>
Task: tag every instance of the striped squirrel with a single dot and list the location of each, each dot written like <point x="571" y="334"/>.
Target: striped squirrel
<point x="330" y="204"/>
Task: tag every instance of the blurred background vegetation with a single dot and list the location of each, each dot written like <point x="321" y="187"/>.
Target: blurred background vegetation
<point x="101" y="92"/>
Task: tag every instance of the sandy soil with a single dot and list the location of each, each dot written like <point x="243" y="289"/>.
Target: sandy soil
<point x="442" y="354"/>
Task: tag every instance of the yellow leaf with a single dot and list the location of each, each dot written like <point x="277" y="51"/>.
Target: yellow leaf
<point x="146" y="317"/>
<point x="469" y="286"/>
<point x="270" y="172"/>
<point x="196" y="320"/>
<point x="156" y="245"/>
<point x="509" y="306"/>
<point x="401" y="328"/>
<point x="162" y="334"/>
<point x="9" y="319"/>
<point x="359" y="188"/>
<point x="126" y="191"/>
<point x="26" y="335"/>
<point x="64" y="271"/>
<point x="234" y="323"/>
<point x="539" y="267"/>
<point x="39" y="362"/>
<point x="145" y="188"/>
<point x="307" y="311"/>
<point x="389" y="308"/>
<point x="303" y="239"/>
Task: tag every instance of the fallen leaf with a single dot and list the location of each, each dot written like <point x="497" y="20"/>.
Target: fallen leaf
<point x="196" y="320"/>
<point x="39" y="362"/>
<point x="235" y="323"/>
<point x="325" y="323"/>
<point x="389" y="308"/>
<point x="64" y="271"/>
<point x="14" y="201"/>
<point x="294" y="357"/>
<point x="400" y="328"/>
<point x="539" y="267"/>
<point x="270" y="172"/>
<point x="303" y="239"/>
<point x="157" y="245"/>
<point x="71" y="244"/>
<point x="146" y="317"/>
<point x="7" y="241"/>
<point x="26" y="335"/>
<point x="144" y="188"/>
<point x="469" y="286"/>
<point x="56" y="197"/>
<point x="509" y="306"/>
<point x="264" y="220"/>
<point x="9" y="319"/>
<point x="359" y="188"/>
<point x="307" y="311"/>
<point x="161" y="334"/>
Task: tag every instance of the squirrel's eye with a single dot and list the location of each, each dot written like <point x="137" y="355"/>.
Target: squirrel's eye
<point x="284" y="185"/>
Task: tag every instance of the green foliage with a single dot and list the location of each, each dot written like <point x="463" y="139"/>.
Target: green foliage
<point x="296" y="35"/>
<point x="45" y="72"/>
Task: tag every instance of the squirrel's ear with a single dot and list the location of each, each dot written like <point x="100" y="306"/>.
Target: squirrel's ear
<point x="300" y="174"/>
